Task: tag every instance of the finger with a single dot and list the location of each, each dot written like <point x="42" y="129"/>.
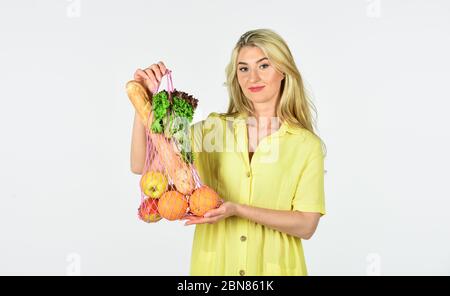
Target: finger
<point x="151" y="75"/>
<point x="214" y="212"/>
<point x="193" y="223"/>
<point x="193" y="218"/>
<point x="189" y="218"/>
<point x="157" y="72"/>
<point x="163" y="68"/>
<point x="198" y="221"/>
<point x="151" y="82"/>
<point x="140" y="75"/>
<point x="211" y="220"/>
<point x="150" y="86"/>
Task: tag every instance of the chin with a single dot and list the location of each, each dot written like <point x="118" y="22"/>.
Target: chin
<point x="258" y="100"/>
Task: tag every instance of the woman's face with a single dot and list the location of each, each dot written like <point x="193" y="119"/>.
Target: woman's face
<point x="255" y="69"/>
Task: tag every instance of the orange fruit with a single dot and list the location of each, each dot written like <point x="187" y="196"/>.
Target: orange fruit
<point x="202" y="200"/>
<point x="172" y="205"/>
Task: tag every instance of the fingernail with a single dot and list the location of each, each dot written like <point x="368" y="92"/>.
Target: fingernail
<point x="206" y="215"/>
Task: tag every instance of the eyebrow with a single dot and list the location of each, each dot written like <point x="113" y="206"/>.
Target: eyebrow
<point x="256" y="61"/>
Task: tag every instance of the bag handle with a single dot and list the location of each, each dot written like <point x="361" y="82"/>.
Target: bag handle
<point x="169" y="82"/>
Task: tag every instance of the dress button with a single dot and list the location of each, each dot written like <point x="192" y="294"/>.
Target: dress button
<point x="248" y="174"/>
<point x="242" y="272"/>
<point x="243" y="238"/>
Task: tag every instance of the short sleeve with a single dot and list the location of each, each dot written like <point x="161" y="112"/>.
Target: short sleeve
<point x="310" y="192"/>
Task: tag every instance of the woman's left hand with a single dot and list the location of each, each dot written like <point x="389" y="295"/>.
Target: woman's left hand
<point x="225" y="210"/>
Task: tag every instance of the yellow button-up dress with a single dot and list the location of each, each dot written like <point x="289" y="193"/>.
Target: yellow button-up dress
<point x="286" y="172"/>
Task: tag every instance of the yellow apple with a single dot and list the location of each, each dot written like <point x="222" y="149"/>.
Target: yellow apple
<point x="154" y="184"/>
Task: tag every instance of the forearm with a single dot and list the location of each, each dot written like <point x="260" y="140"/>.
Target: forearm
<point x="291" y="222"/>
<point x="138" y="146"/>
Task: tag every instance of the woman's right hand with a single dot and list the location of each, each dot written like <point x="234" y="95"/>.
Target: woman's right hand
<point x="151" y="76"/>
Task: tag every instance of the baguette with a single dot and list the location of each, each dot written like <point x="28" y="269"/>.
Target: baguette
<point x="141" y="102"/>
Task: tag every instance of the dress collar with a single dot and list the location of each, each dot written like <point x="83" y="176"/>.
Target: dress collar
<point x="239" y="120"/>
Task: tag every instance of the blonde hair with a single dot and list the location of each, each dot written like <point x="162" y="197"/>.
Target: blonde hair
<point x="294" y="106"/>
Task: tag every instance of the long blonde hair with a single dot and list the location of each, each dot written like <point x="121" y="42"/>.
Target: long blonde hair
<point x="294" y="106"/>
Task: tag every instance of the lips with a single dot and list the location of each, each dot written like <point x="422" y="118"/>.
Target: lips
<point x="255" y="89"/>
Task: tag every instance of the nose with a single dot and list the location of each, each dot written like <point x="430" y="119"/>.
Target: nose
<point x="254" y="77"/>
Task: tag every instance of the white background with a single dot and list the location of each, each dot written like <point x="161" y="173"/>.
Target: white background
<point x="378" y="72"/>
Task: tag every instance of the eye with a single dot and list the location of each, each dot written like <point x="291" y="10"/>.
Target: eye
<point x="244" y="69"/>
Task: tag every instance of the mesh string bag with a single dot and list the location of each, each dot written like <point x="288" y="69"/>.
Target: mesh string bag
<point x="170" y="185"/>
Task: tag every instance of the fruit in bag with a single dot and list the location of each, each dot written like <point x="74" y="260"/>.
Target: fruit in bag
<point x="148" y="211"/>
<point x="202" y="200"/>
<point x="172" y="205"/>
<point x="153" y="184"/>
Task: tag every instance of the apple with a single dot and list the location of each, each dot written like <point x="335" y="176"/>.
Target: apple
<point x="153" y="184"/>
<point x="148" y="211"/>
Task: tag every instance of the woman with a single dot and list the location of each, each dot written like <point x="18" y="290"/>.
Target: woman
<point x="262" y="157"/>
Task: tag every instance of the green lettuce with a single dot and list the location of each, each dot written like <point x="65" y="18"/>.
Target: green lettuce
<point x="173" y="117"/>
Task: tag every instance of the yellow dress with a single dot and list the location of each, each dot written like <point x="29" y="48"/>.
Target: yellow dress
<point x="286" y="172"/>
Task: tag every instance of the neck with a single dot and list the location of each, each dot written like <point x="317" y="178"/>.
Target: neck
<point x="264" y="122"/>
<point x="264" y="115"/>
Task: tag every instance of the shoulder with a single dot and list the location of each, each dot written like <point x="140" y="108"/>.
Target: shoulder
<point x="314" y="144"/>
<point x="308" y="139"/>
<point x="220" y="121"/>
<point x="224" y="116"/>
<point x="311" y="138"/>
<point x="212" y="120"/>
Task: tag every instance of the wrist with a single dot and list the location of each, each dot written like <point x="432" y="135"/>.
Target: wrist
<point x="238" y="209"/>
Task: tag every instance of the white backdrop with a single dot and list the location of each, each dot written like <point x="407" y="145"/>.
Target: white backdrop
<point x="378" y="72"/>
